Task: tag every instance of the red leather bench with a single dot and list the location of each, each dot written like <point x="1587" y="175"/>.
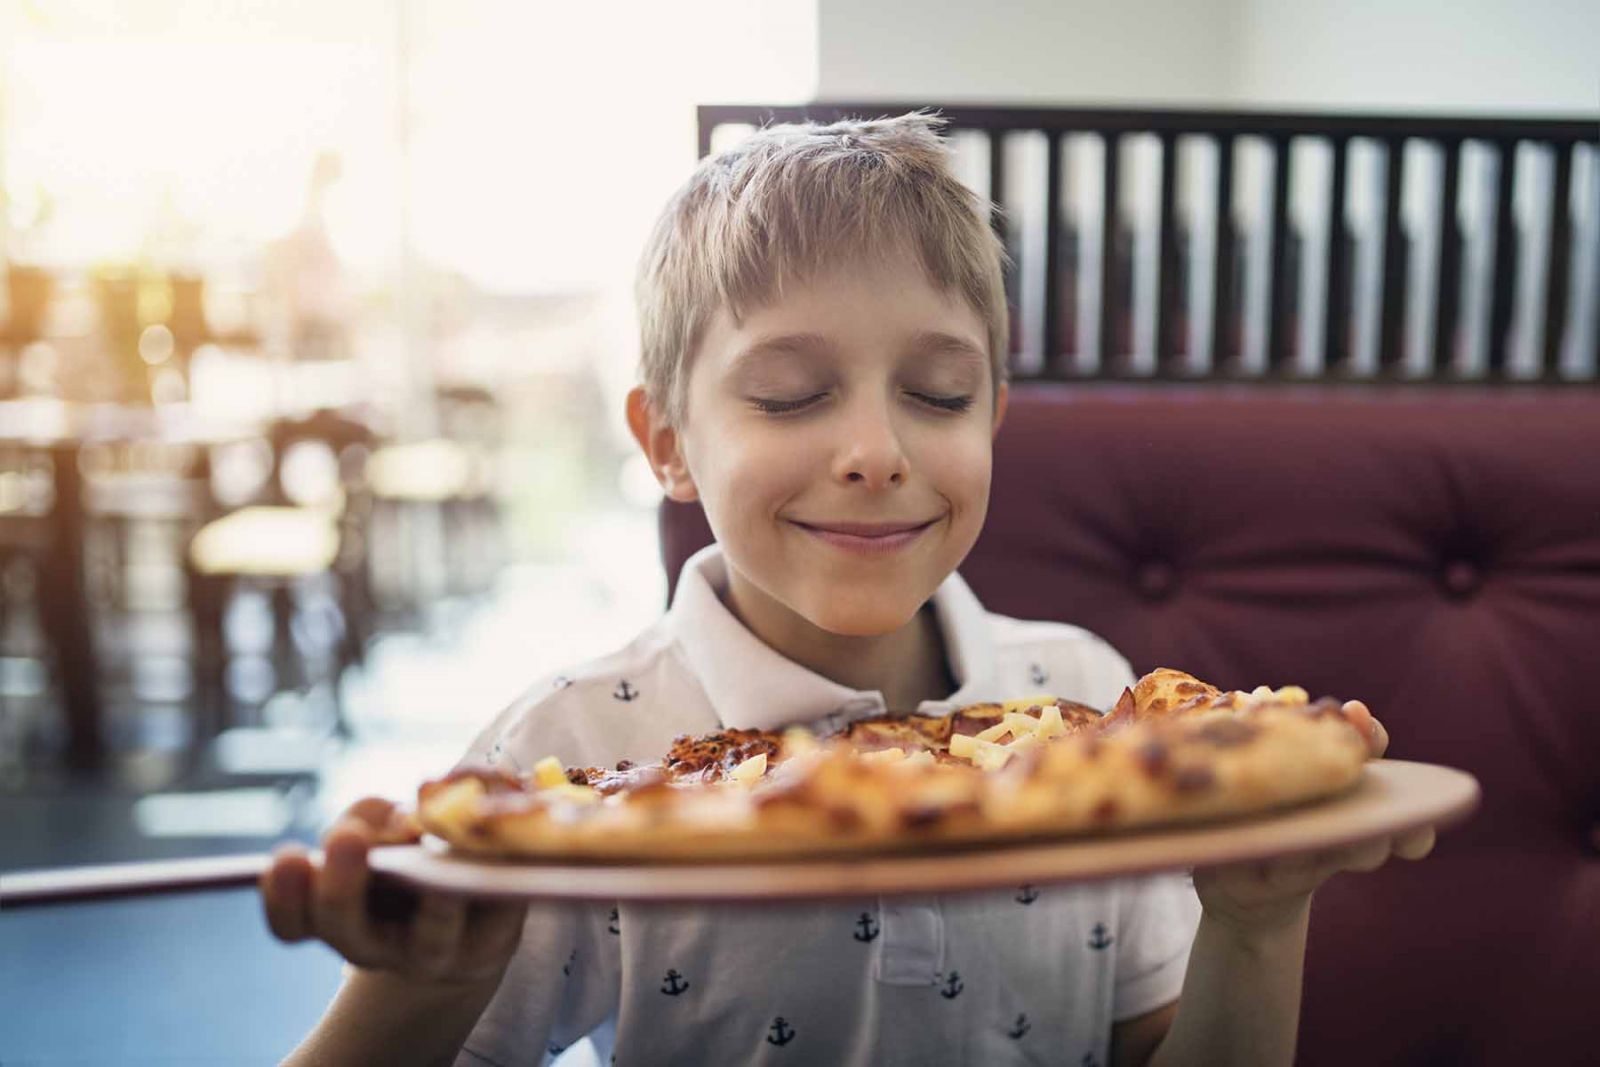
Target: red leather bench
<point x="1434" y="551"/>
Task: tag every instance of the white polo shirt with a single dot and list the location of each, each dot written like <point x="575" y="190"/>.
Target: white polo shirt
<point x="1030" y="974"/>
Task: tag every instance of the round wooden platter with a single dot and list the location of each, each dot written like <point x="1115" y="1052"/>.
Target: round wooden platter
<point x="1392" y="796"/>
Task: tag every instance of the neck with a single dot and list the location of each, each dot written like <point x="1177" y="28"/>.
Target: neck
<point x="907" y="666"/>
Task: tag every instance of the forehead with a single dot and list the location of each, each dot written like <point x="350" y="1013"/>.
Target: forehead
<point x="878" y="305"/>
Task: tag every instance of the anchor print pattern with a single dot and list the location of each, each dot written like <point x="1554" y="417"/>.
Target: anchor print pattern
<point x="1099" y="939"/>
<point x="673" y="984"/>
<point x="566" y="968"/>
<point x="555" y="1049"/>
<point x="950" y="986"/>
<point x="1027" y="894"/>
<point x="613" y="924"/>
<point x="561" y="682"/>
<point x="1020" y="1028"/>
<point x="625" y="691"/>
<point x="866" y="929"/>
<point x="782" y="1033"/>
<point x="1037" y="674"/>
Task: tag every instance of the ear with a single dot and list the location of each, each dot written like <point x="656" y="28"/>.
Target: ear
<point x="662" y="447"/>
<point x="1002" y="394"/>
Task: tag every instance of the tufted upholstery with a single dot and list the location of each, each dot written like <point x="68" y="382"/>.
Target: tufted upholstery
<point x="1435" y="553"/>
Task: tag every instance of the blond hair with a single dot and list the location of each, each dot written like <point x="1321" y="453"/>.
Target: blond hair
<point x="793" y="200"/>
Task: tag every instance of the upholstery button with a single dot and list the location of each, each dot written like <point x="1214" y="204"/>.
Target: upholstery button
<point x="1156" y="579"/>
<point x="1461" y="578"/>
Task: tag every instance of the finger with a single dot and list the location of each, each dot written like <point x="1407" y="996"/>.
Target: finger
<point x="374" y="811"/>
<point x="435" y="936"/>
<point x="286" y="894"/>
<point x="1357" y="714"/>
<point x="338" y="902"/>
<point x="1366" y="857"/>
<point x="1415" y="845"/>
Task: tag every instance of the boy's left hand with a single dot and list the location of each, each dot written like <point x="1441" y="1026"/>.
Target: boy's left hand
<point x="1262" y="895"/>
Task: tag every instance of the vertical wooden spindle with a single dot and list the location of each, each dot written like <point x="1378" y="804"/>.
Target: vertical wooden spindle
<point x="997" y="182"/>
<point x="1336" y="283"/>
<point x="1556" y="279"/>
<point x="1111" y="229"/>
<point x="1055" y="352"/>
<point x="1222" y="355"/>
<point x="1167" y="296"/>
<point x="1447" y="298"/>
<point x="1277" y="339"/>
<point x="1391" y="318"/>
<point x="1503" y="267"/>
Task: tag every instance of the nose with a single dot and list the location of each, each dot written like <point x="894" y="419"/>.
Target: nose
<point x="870" y="451"/>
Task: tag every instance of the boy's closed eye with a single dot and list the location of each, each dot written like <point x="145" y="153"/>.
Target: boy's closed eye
<point x="775" y="406"/>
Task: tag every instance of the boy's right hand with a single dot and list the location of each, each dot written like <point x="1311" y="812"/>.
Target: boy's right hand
<point x="428" y="938"/>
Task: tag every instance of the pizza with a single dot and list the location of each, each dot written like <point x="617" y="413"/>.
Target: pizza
<point x="1172" y="749"/>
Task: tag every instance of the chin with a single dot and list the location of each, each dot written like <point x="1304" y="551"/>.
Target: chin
<point x="861" y="614"/>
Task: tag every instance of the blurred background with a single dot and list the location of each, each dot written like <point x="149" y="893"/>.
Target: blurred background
<point x="315" y="327"/>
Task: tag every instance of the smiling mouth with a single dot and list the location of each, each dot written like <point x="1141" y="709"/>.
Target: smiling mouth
<point x="865" y="530"/>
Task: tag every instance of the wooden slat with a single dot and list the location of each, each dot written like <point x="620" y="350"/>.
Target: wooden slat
<point x="1336" y="298"/>
<point x="1391" y="317"/>
<point x="1168" y="349"/>
<point x="1503" y="267"/>
<point x="1447" y="298"/>
<point x="1222" y="358"/>
<point x="1111" y="228"/>
<point x="997" y="181"/>
<point x="1557" y="280"/>
<point x="1277" y="339"/>
<point x="1055" y="353"/>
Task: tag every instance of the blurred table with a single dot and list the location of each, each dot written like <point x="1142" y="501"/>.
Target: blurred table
<point x="62" y="430"/>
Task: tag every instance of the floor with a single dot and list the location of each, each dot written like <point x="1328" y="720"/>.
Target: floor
<point x="196" y="978"/>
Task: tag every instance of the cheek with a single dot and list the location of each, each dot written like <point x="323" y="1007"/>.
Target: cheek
<point x="752" y="471"/>
<point x="959" y="469"/>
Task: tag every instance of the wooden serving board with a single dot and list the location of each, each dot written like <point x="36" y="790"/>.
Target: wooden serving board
<point x="1392" y="796"/>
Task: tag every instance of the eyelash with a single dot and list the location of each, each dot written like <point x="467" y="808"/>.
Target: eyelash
<point x="955" y="404"/>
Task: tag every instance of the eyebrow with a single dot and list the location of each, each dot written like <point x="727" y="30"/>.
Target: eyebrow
<point x="935" y="342"/>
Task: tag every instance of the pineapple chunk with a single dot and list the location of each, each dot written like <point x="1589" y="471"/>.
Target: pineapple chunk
<point x="798" y="741"/>
<point x="1024" y="703"/>
<point x="454" y="804"/>
<point x="887" y="755"/>
<point x="919" y="759"/>
<point x="995" y="732"/>
<point x="964" y="745"/>
<point x="1293" y="694"/>
<point x="750" y="771"/>
<point x="548" y="773"/>
<point x="984" y="754"/>
<point x="580" y="794"/>
<point x="1024" y="741"/>
<point x="1021" y="723"/>
<point x="991" y="757"/>
<point x="1050" y="724"/>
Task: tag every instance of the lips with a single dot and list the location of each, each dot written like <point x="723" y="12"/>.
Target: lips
<point x="867" y="529"/>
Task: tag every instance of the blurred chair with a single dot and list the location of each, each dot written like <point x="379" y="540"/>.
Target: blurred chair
<point x="303" y="542"/>
<point x="29" y="291"/>
<point x="25" y="500"/>
<point x="450" y="481"/>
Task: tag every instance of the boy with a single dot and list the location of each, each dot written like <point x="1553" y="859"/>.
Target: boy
<point x="824" y="342"/>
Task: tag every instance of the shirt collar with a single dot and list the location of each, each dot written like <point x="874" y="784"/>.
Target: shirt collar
<point x="752" y="686"/>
